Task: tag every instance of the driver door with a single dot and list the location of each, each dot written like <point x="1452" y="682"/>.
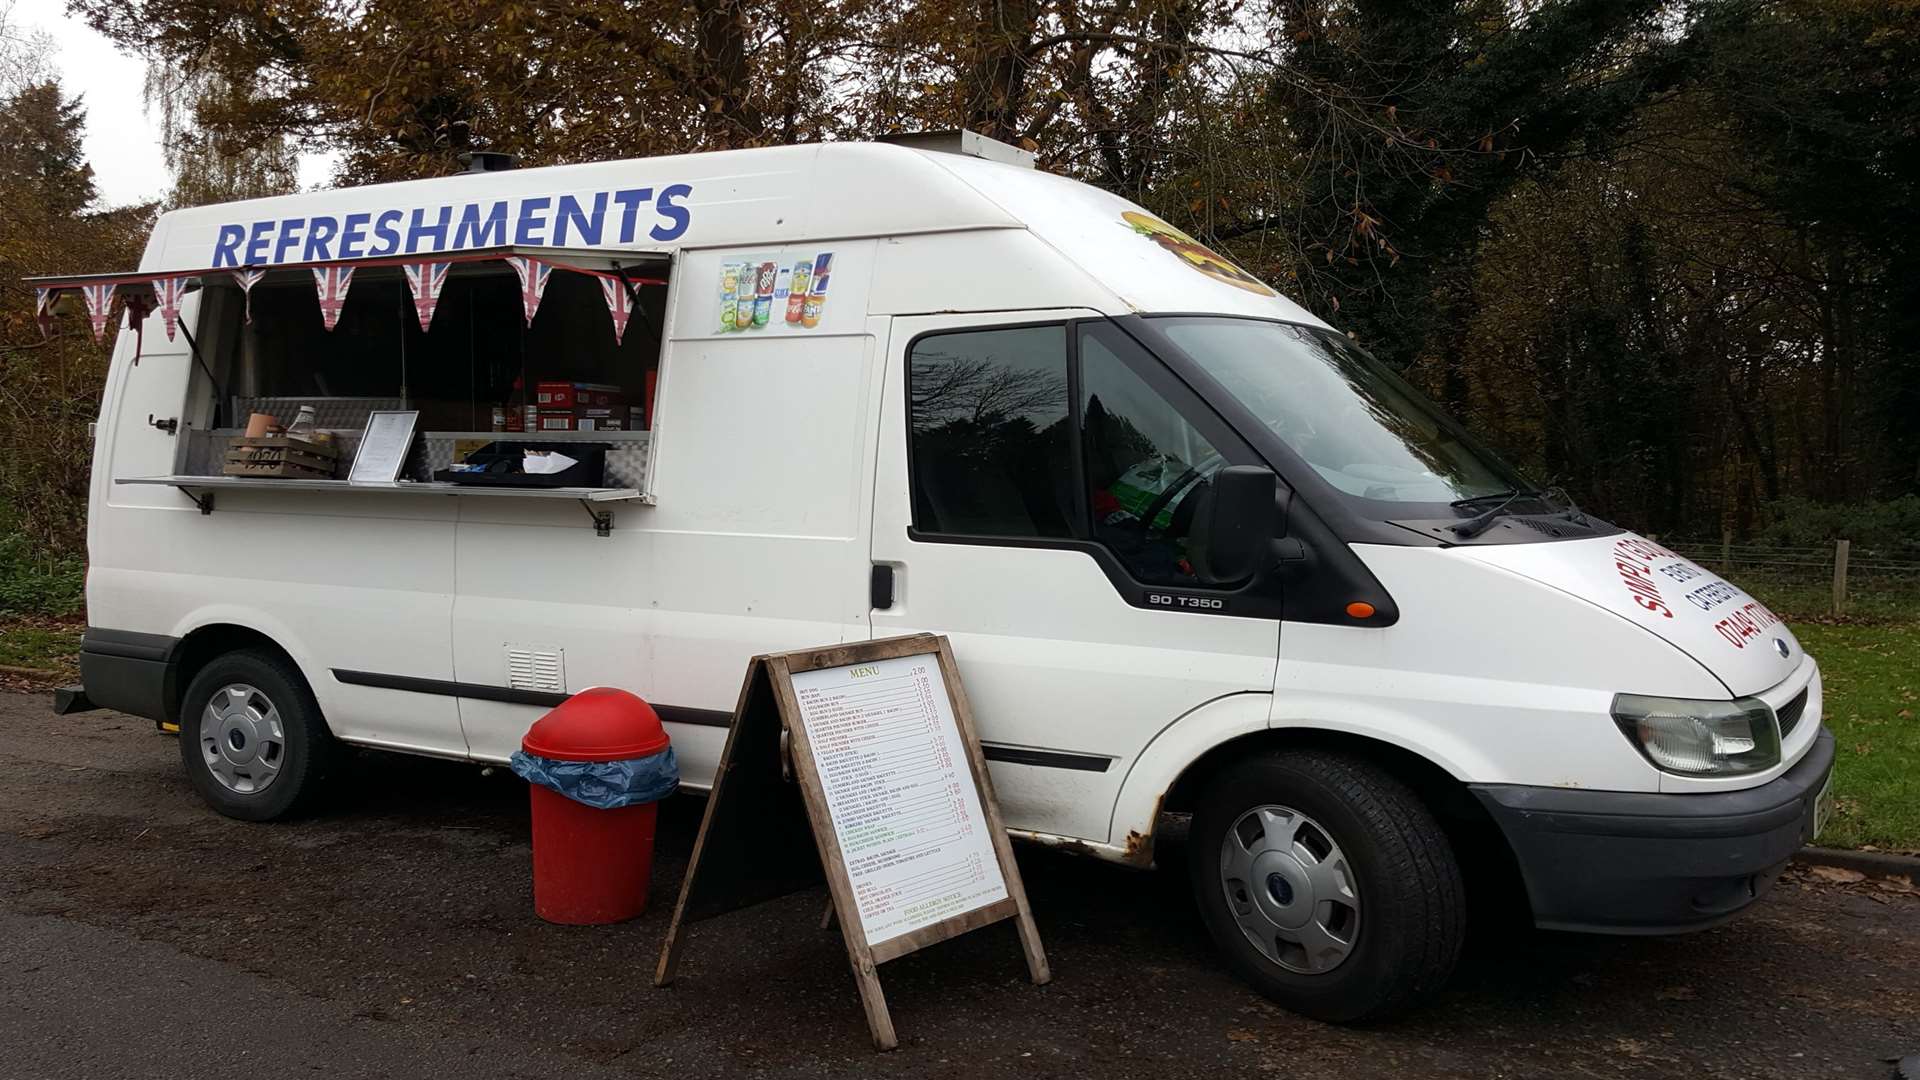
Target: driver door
<point x="1038" y="475"/>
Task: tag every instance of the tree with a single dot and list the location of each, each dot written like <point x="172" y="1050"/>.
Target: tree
<point x="50" y="389"/>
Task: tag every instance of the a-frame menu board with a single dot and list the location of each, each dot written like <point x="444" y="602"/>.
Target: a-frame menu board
<point x="860" y="763"/>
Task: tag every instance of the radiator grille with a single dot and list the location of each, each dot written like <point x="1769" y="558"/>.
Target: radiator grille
<point x="1789" y="713"/>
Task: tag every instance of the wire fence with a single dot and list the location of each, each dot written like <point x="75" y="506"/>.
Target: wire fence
<point x="1825" y="580"/>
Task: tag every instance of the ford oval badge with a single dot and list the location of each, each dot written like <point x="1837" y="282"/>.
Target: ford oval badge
<point x="1780" y="646"/>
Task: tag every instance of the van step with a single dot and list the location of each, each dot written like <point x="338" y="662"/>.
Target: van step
<point x="72" y="699"/>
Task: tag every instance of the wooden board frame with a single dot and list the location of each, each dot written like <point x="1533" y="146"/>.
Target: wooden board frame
<point x="736" y="786"/>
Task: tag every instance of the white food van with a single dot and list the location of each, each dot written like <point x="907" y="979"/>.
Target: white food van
<point x="1195" y="551"/>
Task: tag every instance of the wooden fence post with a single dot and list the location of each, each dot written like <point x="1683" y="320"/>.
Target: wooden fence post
<point x="1840" y="548"/>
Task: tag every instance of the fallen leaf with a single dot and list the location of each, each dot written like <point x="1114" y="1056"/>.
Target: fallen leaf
<point x="1242" y="1035"/>
<point x="1838" y="875"/>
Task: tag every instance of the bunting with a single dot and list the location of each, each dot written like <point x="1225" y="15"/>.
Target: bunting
<point x="333" y="282"/>
<point x="43" y="299"/>
<point x="99" y="306"/>
<point x="426" y="280"/>
<point x="167" y="293"/>
<point x="619" y="303"/>
<point x="247" y="279"/>
<point x="533" y="281"/>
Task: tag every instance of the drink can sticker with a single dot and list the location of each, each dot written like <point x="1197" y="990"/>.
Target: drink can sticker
<point x="817" y="290"/>
<point x="763" y="282"/>
<point x="802" y="274"/>
<point x="729" y="294"/>
<point x="783" y="284"/>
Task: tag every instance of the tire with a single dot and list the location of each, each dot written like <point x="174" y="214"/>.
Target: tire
<point x="1341" y="871"/>
<point x="252" y="738"/>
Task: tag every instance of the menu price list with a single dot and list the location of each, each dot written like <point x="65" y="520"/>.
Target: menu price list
<point x="905" y="810"/>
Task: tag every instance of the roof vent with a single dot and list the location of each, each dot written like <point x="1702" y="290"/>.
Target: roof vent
<point x="970" y="143"/>
<point x="483" y="161"/>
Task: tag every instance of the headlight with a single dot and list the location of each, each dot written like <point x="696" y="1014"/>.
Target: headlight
<point x="1701" y="738"/>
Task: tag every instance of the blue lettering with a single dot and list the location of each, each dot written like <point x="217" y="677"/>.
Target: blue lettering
<point x="257" y="242"/>
<point x="352" y="233"/>
<point x="320" y="233"/>
<point x="474" y="232"/>
<point x="384" y="231"/>
<point x="226" y="250"/>
<point x="570" y="212"/>
<point x="630" y="201"/>
<point x="532" y="221"/>
<point x="677" y="216"/>
<point x="290" y="230"/>
<point x="418" y="229"/>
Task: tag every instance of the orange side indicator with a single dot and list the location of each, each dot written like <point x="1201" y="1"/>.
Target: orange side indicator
<point x="1360" y="609"/>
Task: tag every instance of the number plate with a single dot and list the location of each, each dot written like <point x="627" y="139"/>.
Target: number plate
<point x="1822" y="808"/>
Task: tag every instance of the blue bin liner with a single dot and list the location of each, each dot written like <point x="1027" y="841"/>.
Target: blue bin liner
<point x="604" y="785"/>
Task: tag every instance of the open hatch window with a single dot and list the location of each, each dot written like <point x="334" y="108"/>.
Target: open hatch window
<point x="478" y="372"/>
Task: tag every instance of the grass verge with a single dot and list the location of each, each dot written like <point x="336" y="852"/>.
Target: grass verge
<point x="39" y="643"/>
<point x="1872" y="679"/>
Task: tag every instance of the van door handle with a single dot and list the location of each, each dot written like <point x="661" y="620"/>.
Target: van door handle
<point x="880" y="587"/>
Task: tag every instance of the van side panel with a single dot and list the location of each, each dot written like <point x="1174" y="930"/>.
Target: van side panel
<point x="757" y="542"/>
<point x="340" y="581"/>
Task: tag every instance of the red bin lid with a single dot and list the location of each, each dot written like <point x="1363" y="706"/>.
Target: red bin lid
<point x="597" y="724"/>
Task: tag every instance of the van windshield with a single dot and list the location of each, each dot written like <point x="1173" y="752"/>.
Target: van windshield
<point x="1363" y="429"/>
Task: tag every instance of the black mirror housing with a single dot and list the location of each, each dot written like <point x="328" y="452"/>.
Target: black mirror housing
<point x="1233" y="533"/>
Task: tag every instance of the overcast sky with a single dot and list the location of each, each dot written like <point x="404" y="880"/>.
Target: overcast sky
<point x="122" y="144"/>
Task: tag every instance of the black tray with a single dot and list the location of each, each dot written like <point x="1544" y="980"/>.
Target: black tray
<point x="589" y="468"/>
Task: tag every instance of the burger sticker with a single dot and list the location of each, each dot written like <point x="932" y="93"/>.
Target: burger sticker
<point x="1193" y="252"/>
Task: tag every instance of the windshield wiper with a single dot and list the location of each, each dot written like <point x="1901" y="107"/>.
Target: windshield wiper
<point x="1573" y="512"/>
<point x="1509" y="494"/>
<point x="1483" y="521"/>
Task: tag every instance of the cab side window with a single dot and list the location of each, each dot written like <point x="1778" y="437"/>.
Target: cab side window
<point x="1148" y="471"/>
<point x="991" y="444"/>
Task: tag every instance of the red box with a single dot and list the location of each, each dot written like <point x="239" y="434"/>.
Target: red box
<point x="556" y="421"/>
<point x="559" y="396"/>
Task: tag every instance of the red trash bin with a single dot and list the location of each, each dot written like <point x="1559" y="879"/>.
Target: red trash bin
<point x="591" y="866"/>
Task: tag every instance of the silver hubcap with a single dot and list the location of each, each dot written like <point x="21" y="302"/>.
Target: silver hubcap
<point x="241" y="739"/>
<point x="1290" y="888"/>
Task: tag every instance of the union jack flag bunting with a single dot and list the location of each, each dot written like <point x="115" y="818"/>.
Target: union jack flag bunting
<point x="426" y="280"/>
<point x="619" y="304"/>
<point x="43" y="299"/>
<point x="533" y="282"/>
<point x="333" y="282"/>
<point x="99" y="307"/>
<point x="167" y="294"/>
<point x="247" y="279"/>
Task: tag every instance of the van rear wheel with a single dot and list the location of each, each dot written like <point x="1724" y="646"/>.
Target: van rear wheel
<point x="252" y="738"/>
<point x="1327" y="884"/>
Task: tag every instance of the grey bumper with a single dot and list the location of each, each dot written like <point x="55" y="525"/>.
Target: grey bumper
<point x="130" y="671"/>
<point x="1643" y="863"/>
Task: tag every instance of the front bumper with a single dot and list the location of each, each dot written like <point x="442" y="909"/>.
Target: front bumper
<point x="1618" y="862"/>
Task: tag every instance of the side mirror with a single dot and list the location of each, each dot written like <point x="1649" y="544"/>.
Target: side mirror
<point x="1233" y="532"/>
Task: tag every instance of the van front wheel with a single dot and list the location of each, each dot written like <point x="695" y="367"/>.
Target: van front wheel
<point x="252" y="738"/>
<point x="1328" y="884"/>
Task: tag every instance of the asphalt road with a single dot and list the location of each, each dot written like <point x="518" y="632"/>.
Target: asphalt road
<point x="393" y="935"/>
